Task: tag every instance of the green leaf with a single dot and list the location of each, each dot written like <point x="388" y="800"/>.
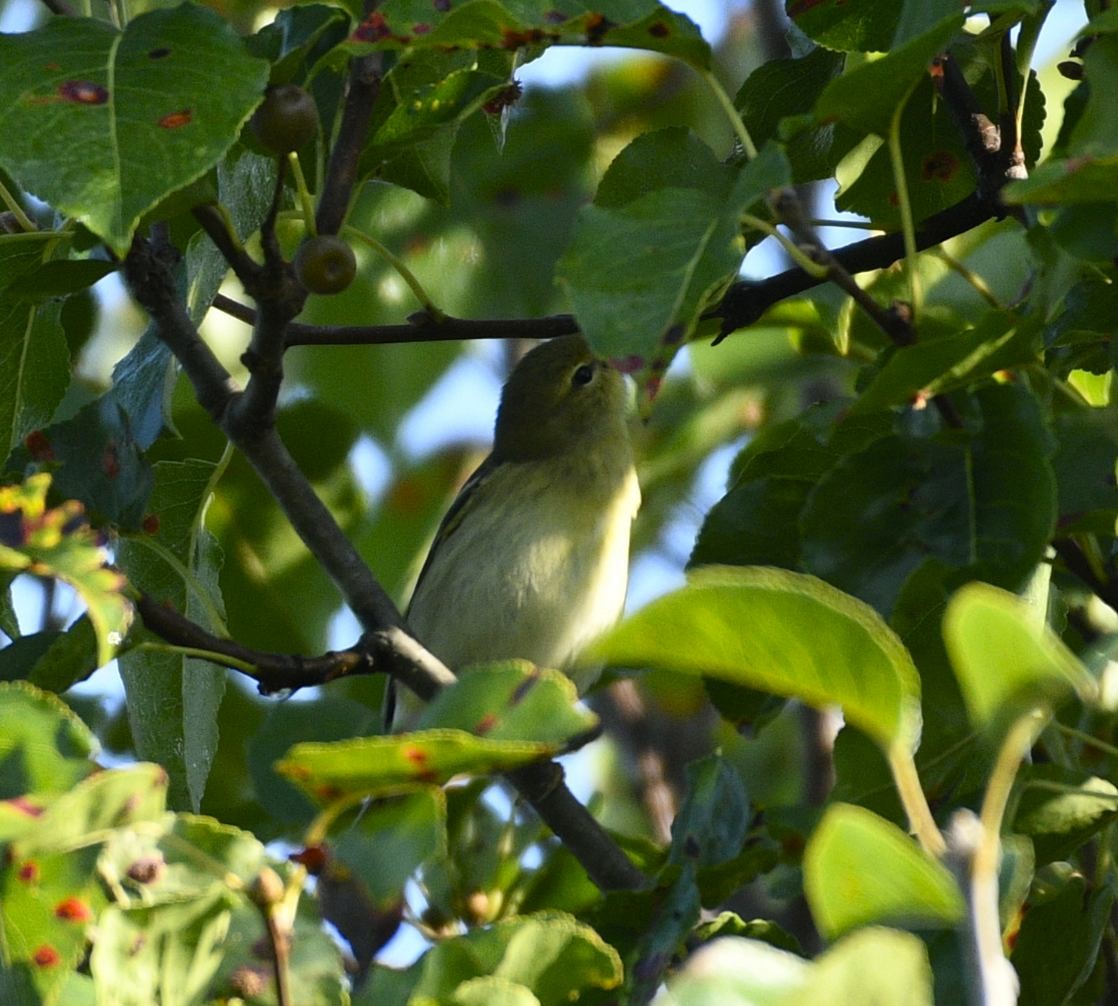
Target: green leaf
<point x="182" y="857"/>
<point x="866" y="96"/>
<point x="59" y="543"/>
<point x="1058" y="943"/>
<point x="391" y="839"/>
<point x="511" y="701"/>
<point x="1006" y="659"/>
<point x="880" y="966"/>
<point x="52" y="660"/>
<point x="866" y="25"/>
<point x="1084" y="463"/>
<point x="98" y="460"/>
<point x="34" y="360"/>
<point x="388" y="765"/>
<point x="711" y="825"/>
<point x="883" y="512"/>
<point x="47" y="903"/>
<point x="83" y="815"/>
<point x="44" y="747"/>
<point x="782" y="632"/>
<point x="172" y="699"/>
<point x="682" y="241"/>
<point x="1061" y="808"/>
<point x="775" y="102"/>
<point x="860" y="869"/>
<point x="551" y="954"/>
<point x="161" y="953"/>
<point x="1000" y="341"/>
<point x="130" y="116"/>
<point x="642" y="24"/>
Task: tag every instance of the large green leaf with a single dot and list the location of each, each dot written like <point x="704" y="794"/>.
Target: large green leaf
<point x="865" y="97"/>
<point x="44" y="747"/>
<point x="1006" y="659"/>
<point x="102" y="124"/>
<point x="173" y="699"/>
<point x="493" y="719"/>
<point x="511" y="24"/>
<point x="34" y="361"/>
<point x="550" y="955"/>
<point x="880" y="966"/>
<point x="860" y="869"/>
<point x="676" y="212"/>
<point x="883" y="512"/>
<point x="781" y="632"/>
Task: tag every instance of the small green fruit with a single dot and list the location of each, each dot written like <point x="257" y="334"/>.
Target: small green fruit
<point x="325" y="264"/>
<point x="287" y="120"/>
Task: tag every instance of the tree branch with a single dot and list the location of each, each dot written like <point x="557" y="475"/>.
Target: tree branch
<point x="273" y="672"/>
<point x="341" y="171"/>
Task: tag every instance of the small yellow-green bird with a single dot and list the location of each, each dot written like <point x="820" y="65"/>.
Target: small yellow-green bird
<point x="532" y="558"/>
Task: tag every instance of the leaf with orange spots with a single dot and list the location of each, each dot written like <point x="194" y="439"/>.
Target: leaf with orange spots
<point x="523" y="24"/>
<point x="131" y="116"/>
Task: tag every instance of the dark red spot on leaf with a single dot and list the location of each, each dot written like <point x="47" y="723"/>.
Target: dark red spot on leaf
<point x="417" y="756"/>
<point x="46" y="956"/>
<point x="443" y="5"/>
<point x="146" y="870"/>
<point x="176" y="120"/>
<point x="52" y="67"/>
<point x="940" y="166"/>
<point x="596" y="27"/>
<point x="28" y="872"/>
<point x="802" y="6"/>
<point x="659" y="30"/>
<point x="555" y="17"/>
<point x="372" y="29"/>
<point x="73" y="910"/>
<point x="627" y="364"/>
<point x="327" y="792"/>
<point x="161" y="53"/>
<point x="151" y="524"/>
<point x="485" y="724"/>
<point x="110" y="461"/>
<point x="25" y="806"/>
<point x="420" y="29"/>
<point x="38" y="446"/>
<point x="84" y="92"/>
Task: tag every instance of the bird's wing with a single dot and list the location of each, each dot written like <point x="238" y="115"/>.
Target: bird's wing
<point x="453" y="518"/>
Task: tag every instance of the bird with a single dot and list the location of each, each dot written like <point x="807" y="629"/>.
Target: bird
<point x="531" y="560"/>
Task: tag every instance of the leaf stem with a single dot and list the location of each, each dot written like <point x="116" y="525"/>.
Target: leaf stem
<point x="797" y="254"/>
<point x="1085" y="738"/>
<point x="977" y="282"/>
<point x="907" y="781"/>
<point x="401" y="267"/>
<point x="306" y="201"/>
<point x="731" y="113"/>
<point x="24" y="221"/>
<point x="221" y="659"/>
<point x="908" y="225"/>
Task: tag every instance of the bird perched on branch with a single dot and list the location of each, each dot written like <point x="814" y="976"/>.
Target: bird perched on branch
<point x="532" y="558"/>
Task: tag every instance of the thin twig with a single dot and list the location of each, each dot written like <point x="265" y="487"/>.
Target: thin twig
<point x="341" y="170"/>
<point x="273" y="672"/>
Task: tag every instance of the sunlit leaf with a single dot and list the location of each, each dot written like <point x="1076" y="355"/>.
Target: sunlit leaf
<point x="860" y="869"/>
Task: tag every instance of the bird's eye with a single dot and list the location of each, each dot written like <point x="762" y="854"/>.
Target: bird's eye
<point x="583" y="375"/>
